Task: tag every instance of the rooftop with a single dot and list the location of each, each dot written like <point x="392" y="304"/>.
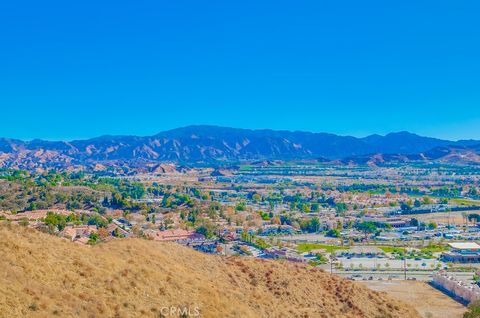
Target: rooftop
<point x="464" y="245"/>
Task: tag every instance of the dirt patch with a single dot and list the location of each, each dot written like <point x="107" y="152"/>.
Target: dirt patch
<point x="427" y="300"/>
<point x="442" y="217"/>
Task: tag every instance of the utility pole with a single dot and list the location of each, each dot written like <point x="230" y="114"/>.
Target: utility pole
<point x="332" y="259"/>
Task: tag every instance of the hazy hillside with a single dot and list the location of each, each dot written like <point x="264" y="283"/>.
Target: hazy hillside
<point x="211" y="144"/>
<point x="45" y="276"/>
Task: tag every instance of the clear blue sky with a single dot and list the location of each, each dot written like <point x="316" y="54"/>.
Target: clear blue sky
<point x="76" y="69"/>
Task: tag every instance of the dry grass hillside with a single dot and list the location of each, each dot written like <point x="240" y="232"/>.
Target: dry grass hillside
<point x="45" y="276"/>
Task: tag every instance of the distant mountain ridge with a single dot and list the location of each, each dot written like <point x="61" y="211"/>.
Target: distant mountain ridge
<point x="213" y="144"/>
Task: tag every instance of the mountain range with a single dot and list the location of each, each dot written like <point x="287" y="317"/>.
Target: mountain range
<point x="218" y="145"/>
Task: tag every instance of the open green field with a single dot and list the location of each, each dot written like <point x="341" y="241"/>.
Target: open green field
<point x="391" y="249"/>
<point x="467" y="202"/>
<point x="307" y="247"/>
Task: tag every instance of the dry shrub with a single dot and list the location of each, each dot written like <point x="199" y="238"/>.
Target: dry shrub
<point x="46" y="276"/>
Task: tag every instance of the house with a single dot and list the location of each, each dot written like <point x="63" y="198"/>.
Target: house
<point x="82" y="240"/>
<point x="395" y="222"/>
<point x="284" y="253"/>
<point x="112" y="227"/>
<point x="175" y="235"/>
<point x="77" y="232"/>
<point x="269" y="229"/>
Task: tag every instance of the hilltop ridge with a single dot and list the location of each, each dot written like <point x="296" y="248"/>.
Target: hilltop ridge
<point x="45" y="276"/>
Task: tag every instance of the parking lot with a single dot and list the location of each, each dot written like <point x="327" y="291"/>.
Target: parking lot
<point x="386" y="263"/>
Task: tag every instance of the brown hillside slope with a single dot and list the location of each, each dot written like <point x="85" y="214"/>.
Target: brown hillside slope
<point x="45" y="276"/>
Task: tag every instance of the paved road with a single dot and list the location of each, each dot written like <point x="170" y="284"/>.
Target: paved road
<point x="397" y="275"/>
<point x="386" y="263"/>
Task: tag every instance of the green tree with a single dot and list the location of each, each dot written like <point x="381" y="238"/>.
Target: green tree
<point x="417" y="203"/>
<point x="473" y="310"/>
<point x="53" y="220"/>
<point x="256" y="197"/>
<point x="93" y="238"/>
<point x="341" y="207"/>
<point x="310" y="226"/>
<point x="333" y="233"/>
<point x="405" y="206"/>
<point x="426" y="200"/>
<point x="474" y="217"/>
<point x="367" y="228"/>
<point x="306" y="208"/>
<point x="206" y="229"/>
<point x="240" y="207"/>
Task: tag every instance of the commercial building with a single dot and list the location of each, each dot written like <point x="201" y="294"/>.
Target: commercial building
<point x="463" y="252"/>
